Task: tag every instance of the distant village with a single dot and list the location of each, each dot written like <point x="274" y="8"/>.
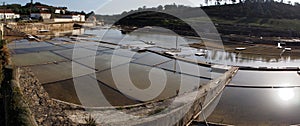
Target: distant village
<point x="38" y="12"/>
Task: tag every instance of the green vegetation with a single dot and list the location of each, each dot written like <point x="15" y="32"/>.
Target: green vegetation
<point x="37" y="7"/>
<point x="25" y="10"/>
<point x="90" y="121"/>
<point x="17" y="110"/>
<point x="2" y="94"/>
<point x="13" y="108"/>
<point x="247" y="15"/>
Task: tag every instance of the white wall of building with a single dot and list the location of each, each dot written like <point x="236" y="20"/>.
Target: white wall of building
<point x="63" y="20"/>
<point x="17" y="16"/>
<point x="78" y="17"/>
<point x="75" y="18"/>
<point x="7" y="15"/>
<point x="58" y="11"/>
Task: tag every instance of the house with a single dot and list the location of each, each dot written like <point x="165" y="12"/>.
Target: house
<point x="70" y="18"/>
<point x="78" y="17"/>
<point x="44" y="15"/>
<point x="8" y="13"/>
<point x="60" y="10"/>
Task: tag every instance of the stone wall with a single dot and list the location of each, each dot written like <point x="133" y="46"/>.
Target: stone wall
<point x="44" y="110"/>
<point x="33" y="28"/>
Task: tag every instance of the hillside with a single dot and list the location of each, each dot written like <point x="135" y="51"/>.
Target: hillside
<point x="247" y="18"/>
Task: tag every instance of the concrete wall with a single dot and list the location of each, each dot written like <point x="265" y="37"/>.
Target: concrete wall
<point x="7" y="15"/>
<point x="34" y="27"/>
<point x="63" y="20"/>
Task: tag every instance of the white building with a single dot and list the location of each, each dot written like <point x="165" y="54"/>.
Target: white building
<point x="17" y="16"/>
<point x="62" y="20"/>
<point x="78" y="17"/>
<point x="9" y="14"/>
<point x="60" y="10"/>
<point x="44" y="15"/>
<point x="71" y="18"/>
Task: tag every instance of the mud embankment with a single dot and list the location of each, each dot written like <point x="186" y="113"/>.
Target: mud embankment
<point x="33" y="28"/>
<point x="45" y="110"/>
<point x="24" y="101"/>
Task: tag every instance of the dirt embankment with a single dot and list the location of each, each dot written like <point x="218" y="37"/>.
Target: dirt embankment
<point x="45" y="110"/>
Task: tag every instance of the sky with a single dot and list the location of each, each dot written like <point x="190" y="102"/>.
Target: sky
<point x="112" y="6"/>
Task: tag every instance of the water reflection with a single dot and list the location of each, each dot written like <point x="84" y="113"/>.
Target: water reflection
<point x="253" y="106"/>
<point x="266" y="78"/>
<point x="240" y="106"/>
<point x="286" y="94"/>
<point x="215" y="56"/>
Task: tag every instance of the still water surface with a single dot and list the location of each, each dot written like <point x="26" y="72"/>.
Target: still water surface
<point x="238" y="106"/>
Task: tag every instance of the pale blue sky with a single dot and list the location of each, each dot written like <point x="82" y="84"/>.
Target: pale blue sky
<point x="112" y="6"/>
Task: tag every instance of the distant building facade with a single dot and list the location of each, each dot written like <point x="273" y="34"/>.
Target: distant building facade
<point x="70" y="18"/>
<point x="9" y="14"/>
<point x="60" y="10"/>
<point x="78" y="17"/>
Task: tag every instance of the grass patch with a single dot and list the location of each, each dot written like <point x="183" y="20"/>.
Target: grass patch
<point x="90" y="121"/>
<point x="14" y="111"/>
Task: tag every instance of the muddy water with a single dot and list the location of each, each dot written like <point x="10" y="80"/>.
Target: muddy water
<point x="243" y="106"/>
<point x="54" y="61"/>
<point x="65" y="90"/>
<point x="238" y="106"/>
<point x="168" y="40"/>
<point x="266" y="78"/>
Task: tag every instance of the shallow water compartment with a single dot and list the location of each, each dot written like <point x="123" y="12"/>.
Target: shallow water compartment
<point x="266" y="78"/>
<point x="60" y="71"/>
<point x="36" y="58"/>
<point x="87" y="93"/>
<point x="143" y="77"/>
<point x="244" y="106"/>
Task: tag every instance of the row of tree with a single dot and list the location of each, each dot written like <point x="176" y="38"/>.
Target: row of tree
<point x="218" y="2"/>
<point x="245" y="9"/>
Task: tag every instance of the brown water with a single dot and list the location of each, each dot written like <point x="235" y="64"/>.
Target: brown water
<point x="248" y="106"/>
<point x="238" y="106"/>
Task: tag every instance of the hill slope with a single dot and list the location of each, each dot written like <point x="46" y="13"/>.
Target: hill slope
<point x="248" y="18"/>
